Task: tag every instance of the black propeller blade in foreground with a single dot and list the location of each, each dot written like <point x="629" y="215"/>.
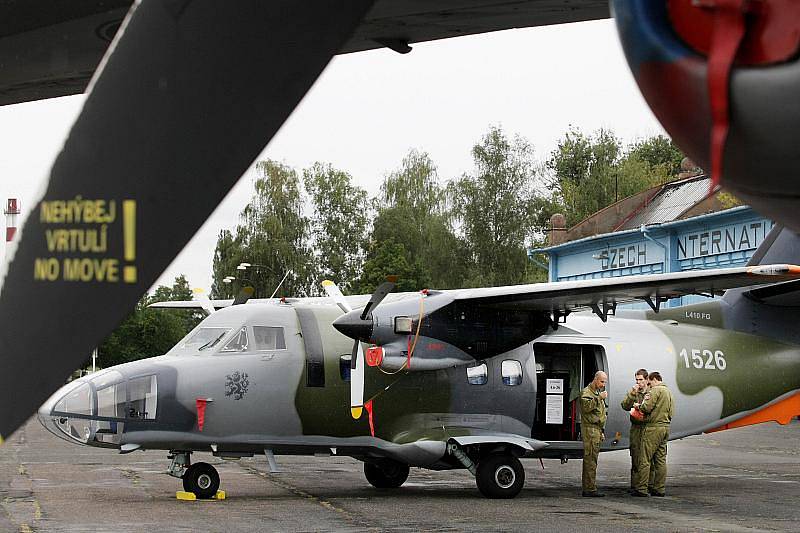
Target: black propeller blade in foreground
<point x="377" y="297"/>
<point x="188" y="95"/>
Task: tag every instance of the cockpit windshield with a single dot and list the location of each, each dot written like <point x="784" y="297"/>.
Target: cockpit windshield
<point x="201" y="340"/>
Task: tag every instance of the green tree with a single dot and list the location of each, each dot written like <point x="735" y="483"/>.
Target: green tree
<point x="412" y="220"/>
<point x="150" y="332"/>
<point x="495" y="205"/>
<point x="658" y="152"/>
<point x="589" y="173"/>
<point x="339" y="223"/>
<point x="272" y="235"/>
<point x="389" y="258"/>
<point x="584" y="172"/>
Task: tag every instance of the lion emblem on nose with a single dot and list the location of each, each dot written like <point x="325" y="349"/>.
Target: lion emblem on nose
<point x="236" y="385"/>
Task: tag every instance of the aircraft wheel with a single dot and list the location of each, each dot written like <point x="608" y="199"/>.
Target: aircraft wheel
<point x="386" y="475"/>
<point x="500" y="476"/>
<point x="202" y="479"/>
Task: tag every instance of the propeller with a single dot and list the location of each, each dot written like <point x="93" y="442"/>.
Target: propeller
<point x="359" y="328"/>
<point x="243" y="295"/>
<point x="356" y="357"/>
<point x="201" y="296"/>
<point x="185" y="99"/>
<point x="377" y="297"/>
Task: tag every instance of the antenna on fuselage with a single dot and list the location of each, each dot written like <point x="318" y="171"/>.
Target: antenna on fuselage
<point x="280" y="283"/>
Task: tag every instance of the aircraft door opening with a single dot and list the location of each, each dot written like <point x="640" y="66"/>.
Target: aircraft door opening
<point x="562" y="371"/>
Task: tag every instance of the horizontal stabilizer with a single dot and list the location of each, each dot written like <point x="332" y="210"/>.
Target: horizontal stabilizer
<point x="781" y="294"/>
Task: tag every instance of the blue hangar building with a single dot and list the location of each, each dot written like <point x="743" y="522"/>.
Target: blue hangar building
<point x="678" y="226"/>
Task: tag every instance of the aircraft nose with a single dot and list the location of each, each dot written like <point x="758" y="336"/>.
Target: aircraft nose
<point x="352" y="325"/>
<point x="44" y="413"/>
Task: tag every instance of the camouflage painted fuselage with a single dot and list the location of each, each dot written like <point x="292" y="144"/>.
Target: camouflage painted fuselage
<point x="719" y="363"/>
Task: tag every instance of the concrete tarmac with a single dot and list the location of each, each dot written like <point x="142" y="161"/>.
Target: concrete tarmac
<point x="739" y="480"/>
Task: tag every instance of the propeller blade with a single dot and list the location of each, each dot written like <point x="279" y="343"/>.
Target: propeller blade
<point x="356" y="380"/>
<point x="201" y="296"/>
<point x="243" y="295"/>
<point x="336" y="295"/>
<point x="185" y="99"/>
<point x="377" y="297"/>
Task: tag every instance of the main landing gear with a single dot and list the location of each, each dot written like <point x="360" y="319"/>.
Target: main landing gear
<point x="386" y="474"/>
<point x="202" y="479"/>
<point x="498" y="473"/>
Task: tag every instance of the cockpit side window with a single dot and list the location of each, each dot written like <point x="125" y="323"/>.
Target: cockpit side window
<point x="143" y="397"/>
<point x="238" y="343"/>
<point x="268" y="338"/>
<point x="111" y="401"/>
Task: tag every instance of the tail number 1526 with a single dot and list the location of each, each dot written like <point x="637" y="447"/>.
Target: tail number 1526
<point x="704" y="359"/>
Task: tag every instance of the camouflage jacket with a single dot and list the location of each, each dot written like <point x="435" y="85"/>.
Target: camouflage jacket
<point x="630" y="399"/>
<point x="593" y="408"/>
<point x="658" y="406"/>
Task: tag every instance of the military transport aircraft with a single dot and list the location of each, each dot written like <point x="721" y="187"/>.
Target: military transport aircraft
<point x="188" y="92"/>
<point x="472" y="378"/>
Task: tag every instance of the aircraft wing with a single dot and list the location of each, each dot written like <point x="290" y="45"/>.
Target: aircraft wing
<point x="50" y="48"/>
<point x="190" y="304"/>
<point x="593" y="294"/>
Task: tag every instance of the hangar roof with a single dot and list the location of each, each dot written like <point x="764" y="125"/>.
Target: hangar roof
<point x="670" y="202"/>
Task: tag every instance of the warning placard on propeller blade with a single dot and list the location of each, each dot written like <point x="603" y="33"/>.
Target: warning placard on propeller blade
<point x="89" y="240"/>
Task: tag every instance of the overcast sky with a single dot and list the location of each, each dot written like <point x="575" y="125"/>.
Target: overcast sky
<point x="368" y="109"/>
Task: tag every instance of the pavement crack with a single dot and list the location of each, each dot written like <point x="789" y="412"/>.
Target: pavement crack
<point x="348" y="516"/>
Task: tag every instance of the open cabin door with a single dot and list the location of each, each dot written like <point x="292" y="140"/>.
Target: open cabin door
<point x="562" y="371"/>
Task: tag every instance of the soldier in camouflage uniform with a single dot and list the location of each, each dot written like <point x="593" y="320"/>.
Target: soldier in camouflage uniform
<point x="659" y="408"/>
<point x="635" y="397"/>
<point x="593" y="422"/>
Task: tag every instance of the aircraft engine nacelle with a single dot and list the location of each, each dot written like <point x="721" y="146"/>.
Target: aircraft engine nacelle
<point x="427" y="354"/>
<point x="437" y="332"/>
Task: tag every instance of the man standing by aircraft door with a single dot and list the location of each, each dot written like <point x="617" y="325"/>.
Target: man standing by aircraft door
<point x="593" y="422"/>
<point x="659" y="408"/>
<point x="634" y="398"/>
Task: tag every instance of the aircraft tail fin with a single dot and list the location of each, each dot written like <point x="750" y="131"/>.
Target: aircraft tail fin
<point x="781" y="245"/>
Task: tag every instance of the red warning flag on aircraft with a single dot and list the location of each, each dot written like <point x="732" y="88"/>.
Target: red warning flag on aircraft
<point x="201" y="412"/>
<point x="368" y="407"/>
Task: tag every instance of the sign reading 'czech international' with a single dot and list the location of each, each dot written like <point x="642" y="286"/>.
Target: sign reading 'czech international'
<point x="725" y="239"/>
<point x="623" y="256"/>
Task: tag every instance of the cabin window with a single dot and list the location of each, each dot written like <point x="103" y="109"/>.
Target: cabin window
<point x="238" y="343"/>
<point x="344" y="367"/>
<point x="511" y="371"/>
<point x="268" y="338"/>
<point x="478" y="375"/>
<point x="143" y="397"/>
<point x="111" y="398"/>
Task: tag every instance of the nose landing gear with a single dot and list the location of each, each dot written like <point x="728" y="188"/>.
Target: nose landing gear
<point x="201" y="479"/>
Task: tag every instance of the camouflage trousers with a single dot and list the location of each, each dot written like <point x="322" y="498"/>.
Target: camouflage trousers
<point x="592" y="437"/>
<point x="651" y="468"/>
<point x="637" y="432"/>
